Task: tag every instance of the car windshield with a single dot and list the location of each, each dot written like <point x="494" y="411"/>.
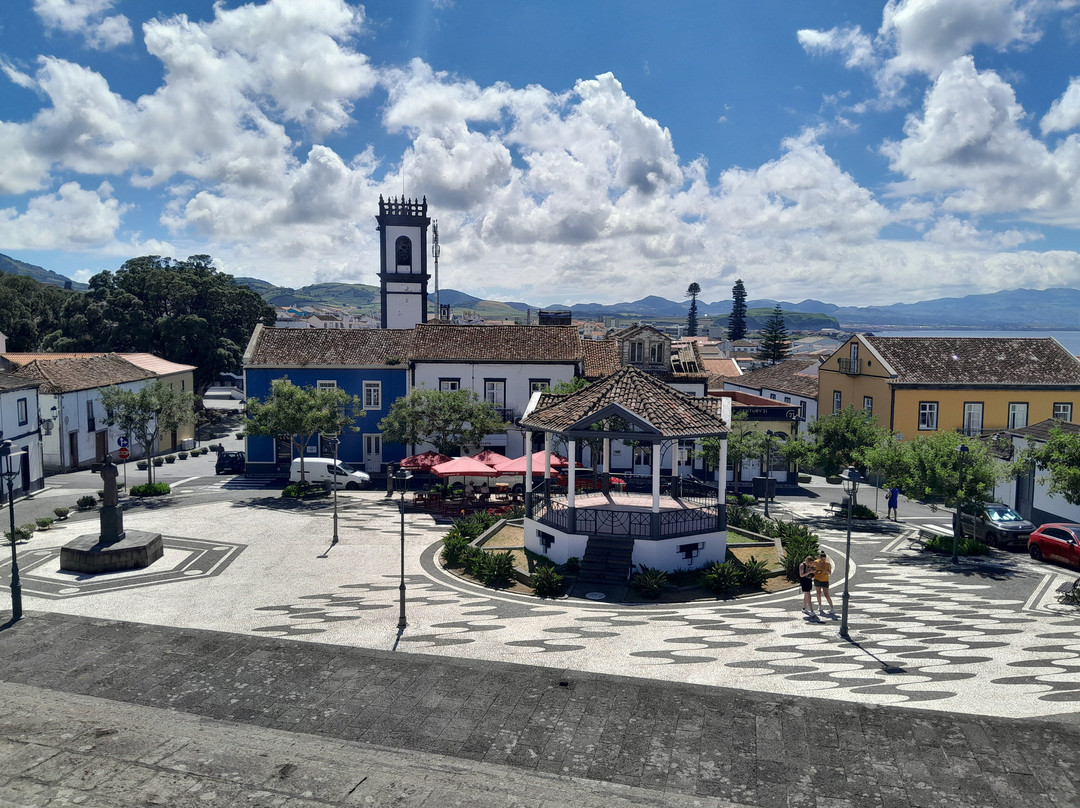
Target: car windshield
<point x="345" y="468"/>
<point x="1001" y="514"/>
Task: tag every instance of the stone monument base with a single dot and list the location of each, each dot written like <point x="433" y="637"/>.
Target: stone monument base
<point x="137" y="549"/>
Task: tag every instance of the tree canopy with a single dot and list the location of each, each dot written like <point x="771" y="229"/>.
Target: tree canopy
<point x="844" y="438"/>
<point x="451" y="420"/>
<point x="183" y="311"/>
<point x="144" y="414"/>
<point x="297" y="414"/>
<point x="932" y="467"/>
<point x="692" y="292"/>
<point x="29" y="310"/>
<point x="737" y="318"/>
<point x="775" y="340"/>
<point x="743" y="443"/>
<point x="1059" y="456"/>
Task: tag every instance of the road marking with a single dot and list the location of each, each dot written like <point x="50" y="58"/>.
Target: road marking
<point x="179" y="483"/>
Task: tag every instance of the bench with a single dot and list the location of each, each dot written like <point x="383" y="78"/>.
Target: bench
<point x="837" y="508"/>
<point x="1069" y="592"/>
<point x="919" y="540"/>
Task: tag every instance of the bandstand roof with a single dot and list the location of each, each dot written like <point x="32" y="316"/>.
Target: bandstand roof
<point x="648" y="406"/>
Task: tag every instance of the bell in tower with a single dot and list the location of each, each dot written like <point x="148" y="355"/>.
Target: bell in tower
<point x="403" y="274"/>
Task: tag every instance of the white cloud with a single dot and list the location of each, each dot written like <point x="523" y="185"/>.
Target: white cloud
<point x="954" y="233"/>
<point x="928" y="35"/>
<point x="856" y="47"/>
<point x="72" y="218"/>
<point x="1064" y="113"/>
<point x="970" y="148"/>
<point x="86" y="18"/>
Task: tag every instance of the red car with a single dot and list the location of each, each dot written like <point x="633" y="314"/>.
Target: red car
<point x="588" y="480"/>
<point x="1057" y="541"/>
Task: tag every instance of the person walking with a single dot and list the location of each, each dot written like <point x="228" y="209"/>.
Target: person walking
<point x="894" y="500"/>
<point x="806" y="581"/>
<point x="822" y="569"/>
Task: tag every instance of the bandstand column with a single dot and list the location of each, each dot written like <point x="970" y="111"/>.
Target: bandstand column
<point x="656" y="477"/>
<point x="571" y="472"/>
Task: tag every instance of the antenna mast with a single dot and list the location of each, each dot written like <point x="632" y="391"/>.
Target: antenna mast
<point x="435" y="255"/>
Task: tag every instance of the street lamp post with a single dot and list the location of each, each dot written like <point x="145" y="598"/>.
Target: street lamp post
<point x="401" y="483"/>
<point x="961" y="452"/>
<point x="851" y="478"/>
<point x="768" y="452"/>
<point x="10" y="468"/>
<point x="334" y="441"/>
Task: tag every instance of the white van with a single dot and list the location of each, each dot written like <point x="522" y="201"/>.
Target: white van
<point x="322" y="471"/>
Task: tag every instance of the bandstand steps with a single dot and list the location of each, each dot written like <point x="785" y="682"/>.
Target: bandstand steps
<point x="608" y="559"/>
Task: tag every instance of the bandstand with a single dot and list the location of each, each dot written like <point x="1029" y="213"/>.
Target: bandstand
<point x="667" y="521"/>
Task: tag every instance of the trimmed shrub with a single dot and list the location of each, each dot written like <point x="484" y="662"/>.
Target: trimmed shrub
<point x="721" y="578"/>
<point x="142" y="465"/>
<point x="61" y="513"/>
<point x="85" y="502"/>
<point x="182" y="455"/>
<point x="546" y="582"/>
<point x="754" y="573"/>
<point x="453" y="545"/>
<point x="150" y="490"/>
<point x="159" y="462"/>
<point x="44" y="522"/>
<point x="21" y="533"/>
<point x="170" y="458"/>
<point x="966" y="546"/>
<point x="650" y="582"/>
<point x="304" y="491"/>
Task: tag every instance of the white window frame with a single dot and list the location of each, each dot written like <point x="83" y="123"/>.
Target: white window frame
<point x="837" y="401"/>
<point x="449" y="385"/>
<point x="928" y="416"/>
<point x="326" y="384"/>
<point x="493" y="387"/>
<point x="23" y="411"/>
<point x="1018" y="411"/>
<point x="637" y="351"/>
<point x="973" y="417"/>
<point x="1063" y="410"/>
<point x="373" y="437"/>
<point x="372" y="396"/>
<point x="539" y="385"/>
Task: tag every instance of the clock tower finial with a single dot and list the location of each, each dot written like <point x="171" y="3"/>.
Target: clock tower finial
<point x="403" y="251"/>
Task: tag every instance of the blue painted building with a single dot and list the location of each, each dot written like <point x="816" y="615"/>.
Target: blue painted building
<point x="368" y="363"/>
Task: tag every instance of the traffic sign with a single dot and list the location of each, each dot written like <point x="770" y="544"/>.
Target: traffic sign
<point x="122" y="442"/>
<point x="123" y="453"/>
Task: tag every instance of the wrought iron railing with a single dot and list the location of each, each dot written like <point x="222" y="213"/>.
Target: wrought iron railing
<point x="850" y="366"/>
<point x="639" y="524"/>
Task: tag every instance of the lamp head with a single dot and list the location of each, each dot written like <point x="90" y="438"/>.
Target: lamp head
<point x="851" y="478"/>
<point x="962" y="448"/>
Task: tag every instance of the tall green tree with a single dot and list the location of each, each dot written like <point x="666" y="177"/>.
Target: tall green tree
<point x="184" y="311"/>
<point x="844" y="438"/>
<point x="297" y="414"/>
<point x="737" y="319"/>
<point x="743" y="443"/>
<point x="451" y="420"/>
<point x="931" y="467"/>
<point x="1059" y="457"/>
<point x="692" y="291"/>
<point x="29" y="310"/>
<point x="775" y="340"/>
<point x="145" y="414"/>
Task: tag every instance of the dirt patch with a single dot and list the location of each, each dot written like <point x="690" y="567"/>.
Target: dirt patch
<point x="508" y="536"/>
<point x="515" y="586"/>
<point x="762" y="552"/>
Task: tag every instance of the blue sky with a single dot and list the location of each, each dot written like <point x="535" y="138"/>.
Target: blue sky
<point x="854" y="152"/>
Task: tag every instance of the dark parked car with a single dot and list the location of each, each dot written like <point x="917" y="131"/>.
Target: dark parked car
<point x="992" y="523"/>
<point x="1056" y="541"/>
<point x="230" y="463"/>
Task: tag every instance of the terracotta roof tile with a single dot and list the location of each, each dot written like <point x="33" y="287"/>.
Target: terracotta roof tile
<point x="434" y="342"/>
<point x="81" y="373"/>
<point x="787" y="376"/>
<point x="601" y="357"/>
<point x="318" y="347"/>
<point x="1010" y="361"/>
<point x="1041" y="430"/>
<point x="673" y="413"/>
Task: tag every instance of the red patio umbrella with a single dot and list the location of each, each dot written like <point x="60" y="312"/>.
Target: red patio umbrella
<point x="464" y="467"/>
<point x="517" y="465"/>
<point x="490" y="458"/>
<point x="424" y="461"/>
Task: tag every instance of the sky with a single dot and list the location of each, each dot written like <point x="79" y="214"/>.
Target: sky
<point x="849" y="151"/>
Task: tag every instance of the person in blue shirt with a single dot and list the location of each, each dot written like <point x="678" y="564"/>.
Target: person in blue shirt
<point x="894" y="499"/>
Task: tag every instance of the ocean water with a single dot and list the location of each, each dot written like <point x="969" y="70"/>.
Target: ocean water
<point x="1070" y="339"/>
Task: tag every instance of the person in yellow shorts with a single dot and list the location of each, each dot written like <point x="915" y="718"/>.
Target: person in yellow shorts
<point x="822" y="569"/>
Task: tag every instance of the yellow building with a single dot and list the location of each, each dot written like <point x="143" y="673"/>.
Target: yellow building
<point x="977" y="385"/>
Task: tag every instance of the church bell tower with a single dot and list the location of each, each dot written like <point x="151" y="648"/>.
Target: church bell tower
<point x="403" y="249"/>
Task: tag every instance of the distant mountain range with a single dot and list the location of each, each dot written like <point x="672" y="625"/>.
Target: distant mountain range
<point x="1015" y="309"/>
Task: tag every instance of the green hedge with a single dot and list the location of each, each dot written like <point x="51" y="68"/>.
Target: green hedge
<point x="150" y="490"/>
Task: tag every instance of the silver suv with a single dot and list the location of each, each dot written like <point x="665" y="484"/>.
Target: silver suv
<point x="992" y="523"/>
